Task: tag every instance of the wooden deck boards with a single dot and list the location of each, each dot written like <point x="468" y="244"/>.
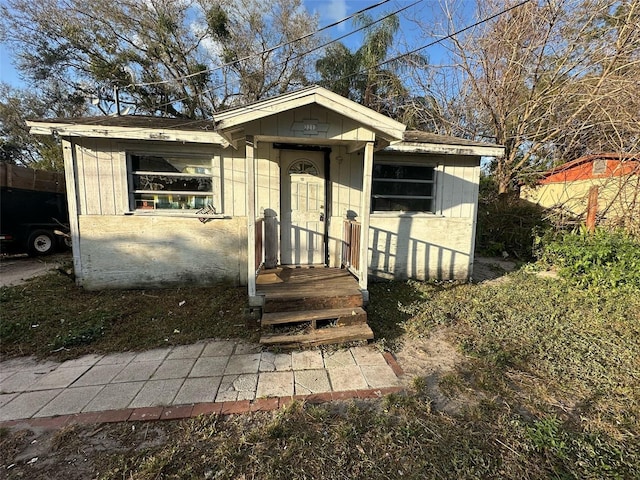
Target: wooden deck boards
<point x="306" y="282"/>
<point x="343" y="316"/>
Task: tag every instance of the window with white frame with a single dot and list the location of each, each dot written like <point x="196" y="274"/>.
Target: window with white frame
<point x="402" y="188"/>
<point x="170" y="182"/>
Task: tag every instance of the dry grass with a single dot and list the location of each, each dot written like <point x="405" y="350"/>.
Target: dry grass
<point x="50" y="316"/>
<point x="395" y="437"/>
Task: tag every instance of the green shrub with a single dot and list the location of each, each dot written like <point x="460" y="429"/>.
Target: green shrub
<point x="506" y="223"/>
<point x="602" y="259"/>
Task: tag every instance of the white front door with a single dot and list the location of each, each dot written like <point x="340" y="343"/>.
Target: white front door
<point x="302" y="224"/>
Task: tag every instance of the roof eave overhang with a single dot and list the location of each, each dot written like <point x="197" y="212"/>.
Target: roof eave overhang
<point x="448" y="149"/>
<point x="125" y="133"/>
<point x="387" y="128"/>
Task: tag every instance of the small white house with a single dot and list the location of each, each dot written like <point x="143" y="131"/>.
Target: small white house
<point x="292" y="180"/>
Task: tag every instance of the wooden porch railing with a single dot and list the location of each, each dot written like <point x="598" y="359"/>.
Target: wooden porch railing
<point x="266" y="242"/>
<point x="351" y="245"/>
<point x="259" y="243"/>
<point x="271" y="243"/>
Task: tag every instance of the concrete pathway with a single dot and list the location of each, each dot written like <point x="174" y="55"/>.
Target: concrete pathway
<point x="212" y="376"/>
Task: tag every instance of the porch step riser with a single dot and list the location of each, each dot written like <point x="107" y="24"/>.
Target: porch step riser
<point x="272" y="305"/>
<point x="341" y="317"/>
<point x="320" y="337"/>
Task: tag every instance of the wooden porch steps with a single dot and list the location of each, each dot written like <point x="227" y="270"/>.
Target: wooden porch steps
<point x="304" y="301"/>
<point x="311" y="306"/>
<point x="342" y="317"/>
<point x="319" y="337"/>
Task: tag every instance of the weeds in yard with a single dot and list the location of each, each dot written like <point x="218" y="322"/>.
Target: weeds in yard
<point x="602" y="260"/>
<point x="562" y="353"/>
<point x="50" y="315"/>
<point x="580" y="346"/>
<point x="555" y="368"/>
<point x="65" y="437"/>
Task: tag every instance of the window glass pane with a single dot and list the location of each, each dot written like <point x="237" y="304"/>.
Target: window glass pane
<point x="168" y="182"/>
<point x="154" y="163"/>
<point x="599" y="166"/>
<point x="394" y="186"/>
<point x="402" y="188"/>
<point x="401" y="204"/>
<point x="411" y="172"/>
<point x="166" y="178"/>
<point x="303" y="166"/>
<point x="148" y="163"/>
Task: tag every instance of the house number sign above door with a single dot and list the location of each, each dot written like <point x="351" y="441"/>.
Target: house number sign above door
<point x="310" y="126"/>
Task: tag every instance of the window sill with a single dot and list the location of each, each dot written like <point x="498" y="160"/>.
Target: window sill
<point x="176" y="214"/>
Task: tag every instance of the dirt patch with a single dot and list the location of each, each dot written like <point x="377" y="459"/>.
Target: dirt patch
<point x="432" y="361"/>
<point x="491" y="269"/>
<point x="74" y="452"/>
<point x="17" y="269"/>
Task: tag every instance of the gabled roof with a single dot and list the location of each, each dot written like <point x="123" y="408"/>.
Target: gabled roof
<point x="386" y="127"/>
<point x="229" y="123"/>
<point x="157" y="128"/>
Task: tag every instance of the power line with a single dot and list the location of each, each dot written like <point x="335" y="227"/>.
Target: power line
<point x="268" y="50"/>
<point x="430" y="44"/>
<point x="451" y="35"/>
<point x="398" y="57"/>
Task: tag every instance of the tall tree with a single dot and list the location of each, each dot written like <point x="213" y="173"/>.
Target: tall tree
<point x="266" y="48"/>
<point x="365" y="75"/>
<point x="548" y="80"/>
<point x="181" y="58"/>
<point x="17" y="146"/>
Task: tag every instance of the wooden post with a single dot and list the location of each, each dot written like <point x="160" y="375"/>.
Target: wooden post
<point x="365" y="211"/>
<point x="592" y="209"/>
<point x="250" y="149"/>
<point x="69" y="155"/>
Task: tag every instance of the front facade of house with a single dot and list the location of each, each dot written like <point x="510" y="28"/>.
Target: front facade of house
<point x="292" y="180"/>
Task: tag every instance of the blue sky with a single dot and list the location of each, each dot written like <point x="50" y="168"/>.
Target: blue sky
<point x="329" y="11"/>
<point x="8" y="74"/>
<point x="333" y="10"/>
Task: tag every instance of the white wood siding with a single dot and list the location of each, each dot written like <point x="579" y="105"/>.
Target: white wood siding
<point x="346" y="182"/>
<point x="267" y="179"/>
<point x="421" y="248"/>
<point x="329" y="125"/>
<point x="102" y="177"/>
<point x="457" y="179"/>
<point x="119" y="250"/>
